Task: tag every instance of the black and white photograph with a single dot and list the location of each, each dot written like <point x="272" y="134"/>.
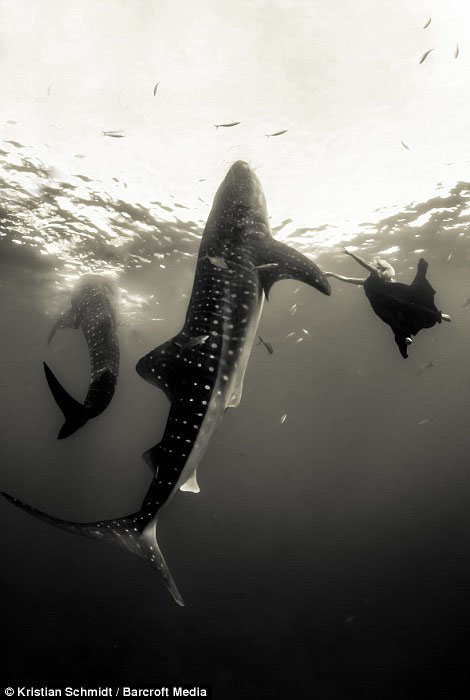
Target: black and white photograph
<point x="235" y="349"/>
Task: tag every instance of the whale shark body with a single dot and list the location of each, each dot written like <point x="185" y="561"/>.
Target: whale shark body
<point x="91" y="309"/>
<point x="201" y="369"/>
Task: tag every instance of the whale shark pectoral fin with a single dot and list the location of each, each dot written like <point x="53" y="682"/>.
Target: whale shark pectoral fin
<point x="125" y="532"/>
<point x="67" y="319"/>
<point x="282" y="262"/>
<point x="75" y="414"/>
<point x="162" y="365"/>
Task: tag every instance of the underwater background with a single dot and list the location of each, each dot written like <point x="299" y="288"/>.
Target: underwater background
<point x="327" y="553"/>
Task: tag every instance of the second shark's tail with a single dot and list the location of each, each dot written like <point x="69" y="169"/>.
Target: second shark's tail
<point x="75" y="413"/>
<point x="135" y="532"/>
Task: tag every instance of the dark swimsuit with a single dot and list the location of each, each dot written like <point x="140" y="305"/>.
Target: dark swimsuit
<point x="406" y="308"/>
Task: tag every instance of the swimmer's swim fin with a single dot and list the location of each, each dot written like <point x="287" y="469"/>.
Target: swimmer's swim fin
<point x="135" y="532"/>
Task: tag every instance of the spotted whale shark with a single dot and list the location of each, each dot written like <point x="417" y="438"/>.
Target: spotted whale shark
<point x="201" y="369"/>
<point x="92" y="309"/>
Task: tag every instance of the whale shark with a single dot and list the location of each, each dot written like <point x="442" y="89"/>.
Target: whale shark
<point x="201" y="369"/>
<point x="92" y="309"/>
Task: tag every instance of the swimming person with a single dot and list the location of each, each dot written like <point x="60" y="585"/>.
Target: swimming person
<point x="406" y="308"/>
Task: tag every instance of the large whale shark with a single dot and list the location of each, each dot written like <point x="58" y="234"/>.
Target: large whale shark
<point x="92" y="309"/>
<point x="201" y="369"/>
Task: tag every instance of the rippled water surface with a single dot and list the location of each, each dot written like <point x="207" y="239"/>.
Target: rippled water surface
<point x="327" y="553"/>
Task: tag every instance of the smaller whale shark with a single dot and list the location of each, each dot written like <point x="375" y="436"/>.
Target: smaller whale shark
<point x="92" y="309"/>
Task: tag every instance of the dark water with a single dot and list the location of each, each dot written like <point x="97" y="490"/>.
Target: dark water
<point x="326" y="556"/>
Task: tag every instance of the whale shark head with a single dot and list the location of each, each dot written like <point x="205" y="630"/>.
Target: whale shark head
<point x="242" y="187"/>
<point x="240" y="197"/>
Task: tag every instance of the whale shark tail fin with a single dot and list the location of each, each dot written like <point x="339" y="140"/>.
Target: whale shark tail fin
<point x="135" y="532"/>
<point x="75" y="414"/>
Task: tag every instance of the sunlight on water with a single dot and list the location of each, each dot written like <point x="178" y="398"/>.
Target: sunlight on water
<point x="80" y="225"/>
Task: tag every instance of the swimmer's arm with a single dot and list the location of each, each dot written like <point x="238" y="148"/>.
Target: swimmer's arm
<point x="361" y="262"/>
<point x="351" y="280"/>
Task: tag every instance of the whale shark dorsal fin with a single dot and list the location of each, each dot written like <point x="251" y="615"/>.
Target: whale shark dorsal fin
<point x="162" y="365"/>
<point x="67" y="319"/>
<point x="279" y="262"/>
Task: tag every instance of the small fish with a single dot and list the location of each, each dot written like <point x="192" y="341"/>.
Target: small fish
<point x="456" y="51"/>
<point x="267" y="266"/>
<point x="278" y="133"/>
<point x="268" y="346"/>
<point x="49" y="89"/>
<point x="425" y="420"/>
<point x="10" y="121"/>
<point x="306" y="332"/>
<point x="350" y="619"/>
<point x="293" y="309"/>
<point x="217" y="261"/>
<point x="155" y="88"/>
<point x="424" y="369"/>
<point x="283" y="417"/>
<point x="113" y="134"/>
<point x="216" y="521"/>
<point x="15" y="144"/>
<point x="405" y="146"/>
<point x="299" y="340"/>
<point x="197" y="340"/>
<point x="427" y="23"/>
<point x="79" y="155"/>
<point x="449" y="257"/>
<point x="466" y="303"/>
<point x="201" y="200"/>
<point x="425" y="55"/>
<point x="227" y="125"/>
<point x="289" y="335"/>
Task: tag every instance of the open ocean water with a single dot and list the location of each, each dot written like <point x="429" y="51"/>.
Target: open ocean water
<point x="327" y="553"/>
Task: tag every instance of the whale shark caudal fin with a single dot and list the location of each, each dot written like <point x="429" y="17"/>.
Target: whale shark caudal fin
<point x="282" y="262"/>
<point x="67" y="319"/>
<point x="134" y="532"/>
<point x="75" y="414"/>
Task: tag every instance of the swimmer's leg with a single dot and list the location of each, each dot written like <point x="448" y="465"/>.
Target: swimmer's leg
<point x="402" y="343"/>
